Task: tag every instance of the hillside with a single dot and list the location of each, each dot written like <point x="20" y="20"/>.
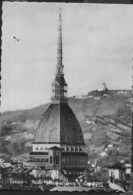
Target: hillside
<point x="105" y="118"/>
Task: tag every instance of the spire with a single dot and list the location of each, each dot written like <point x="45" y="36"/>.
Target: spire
<point x="59" y="67"/>
<point x="59" y="86"/>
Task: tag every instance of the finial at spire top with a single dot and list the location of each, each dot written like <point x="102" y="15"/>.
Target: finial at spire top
<point x="59" y="67"/>
<point x="59" y="14"/>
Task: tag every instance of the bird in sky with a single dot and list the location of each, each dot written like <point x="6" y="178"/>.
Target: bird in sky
<point x="17" y="39"/>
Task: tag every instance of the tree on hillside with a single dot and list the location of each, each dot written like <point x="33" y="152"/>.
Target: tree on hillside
<point x="6" y="129"/>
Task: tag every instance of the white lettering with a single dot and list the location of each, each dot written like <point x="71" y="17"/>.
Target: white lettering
<point x="36" y="182"/>
<point x="15" y="181"/>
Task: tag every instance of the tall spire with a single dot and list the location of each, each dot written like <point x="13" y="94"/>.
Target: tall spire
<point x="59" y="86"/>
<point x="59" y="67"/>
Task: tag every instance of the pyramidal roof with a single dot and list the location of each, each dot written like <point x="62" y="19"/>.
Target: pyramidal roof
<point x="59" y="125"/>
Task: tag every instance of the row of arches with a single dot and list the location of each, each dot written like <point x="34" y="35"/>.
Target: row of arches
<point x="64" y="148"/>
<point x="41" y="148"/>
<point x="72" y="149"/>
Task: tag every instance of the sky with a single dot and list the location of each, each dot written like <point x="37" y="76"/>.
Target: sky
<point x="97" y="48"/>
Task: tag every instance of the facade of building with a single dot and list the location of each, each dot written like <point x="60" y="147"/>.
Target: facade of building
<point x="117" y="173"/>
<point x="128" y="168"/>
<point x="59" y="142"/>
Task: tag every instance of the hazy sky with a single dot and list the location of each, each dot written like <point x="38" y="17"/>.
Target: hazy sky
<point x="97" y="47"/>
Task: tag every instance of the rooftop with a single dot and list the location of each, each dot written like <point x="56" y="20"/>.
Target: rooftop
<point x="39" y="153"/>
<point x="54" y="148"/>
<point x="116" y="167"/>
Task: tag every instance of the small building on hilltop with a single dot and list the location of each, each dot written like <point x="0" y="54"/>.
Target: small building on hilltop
<point x="102" y="87"/>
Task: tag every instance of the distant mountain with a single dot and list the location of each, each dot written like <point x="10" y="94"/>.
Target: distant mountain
<point x="105" y="118"/>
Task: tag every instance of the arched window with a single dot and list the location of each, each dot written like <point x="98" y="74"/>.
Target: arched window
<point x="37" y="148"/>
<point x="51" y="159"/>
<point x="67" y="149"/>
<point x="57" y="160"/>
<point x="63" y="149"/>
<point x="41" y="148"/>
<point x="72" y="149"/>
<point x="80" y="149"/>
<point x="76" y="149"/>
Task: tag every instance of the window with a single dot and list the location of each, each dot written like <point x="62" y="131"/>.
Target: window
<point x="37" y="160"/>
<point x="63" y="159"/>
<point x="72" y="149"/>
<point x="67" y="149"/>
<point x="113" y="174"/>
<point x="63" y="149"/>
<point x="76" y="149"/>
<point x="70" y="159"/>
<point x="44" y="160"/>
<point x="41" y="148"/>
<point x="80" y="149"/>
<point x="37" y="148"/>
<point x="122" y="176"/>
<point x="57" y="160"/>
<point x="51" y="159"/>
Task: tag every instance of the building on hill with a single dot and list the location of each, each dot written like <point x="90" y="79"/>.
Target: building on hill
<point x="102" y="87"/>
<point x="59" y="142"/>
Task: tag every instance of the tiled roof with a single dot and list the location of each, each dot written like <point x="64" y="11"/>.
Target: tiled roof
<point x="59" y="125"/>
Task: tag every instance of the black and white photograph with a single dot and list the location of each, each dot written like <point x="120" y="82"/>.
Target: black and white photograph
<point x="66" y="97"/>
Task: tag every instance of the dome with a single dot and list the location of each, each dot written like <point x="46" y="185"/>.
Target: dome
<point x="59" y="125"/>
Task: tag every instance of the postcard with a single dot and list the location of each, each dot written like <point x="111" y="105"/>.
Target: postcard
<point x="66" y="97"/>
